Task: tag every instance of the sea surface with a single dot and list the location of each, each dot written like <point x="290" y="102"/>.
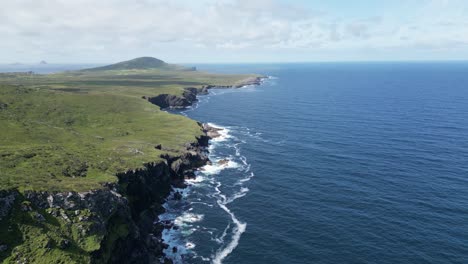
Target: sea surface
<point x="331" y="163"/>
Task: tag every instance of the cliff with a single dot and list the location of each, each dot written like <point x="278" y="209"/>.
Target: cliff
<point x="99" y="226"/>
<point x="189" y="95"/>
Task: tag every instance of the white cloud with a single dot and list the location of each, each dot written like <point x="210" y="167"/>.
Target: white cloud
<point x="89" y="30"/>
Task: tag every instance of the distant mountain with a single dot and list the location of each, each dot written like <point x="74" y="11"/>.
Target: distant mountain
<point x="43" y="62"/>
<point x="141" y="64"/>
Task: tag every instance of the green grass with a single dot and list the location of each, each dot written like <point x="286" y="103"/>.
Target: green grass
<point x="74" y="131"/>
<point x="38" y="241"/>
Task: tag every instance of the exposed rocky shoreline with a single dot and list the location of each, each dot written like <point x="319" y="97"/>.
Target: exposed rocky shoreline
<point x="189" y="96"/>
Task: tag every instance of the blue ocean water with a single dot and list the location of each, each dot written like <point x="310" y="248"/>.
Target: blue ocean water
<point x="332" y="163"/>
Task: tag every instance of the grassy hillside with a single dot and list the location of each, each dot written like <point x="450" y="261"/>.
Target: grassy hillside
<point x="139" y="64"/>
<point x="76" y="130"/>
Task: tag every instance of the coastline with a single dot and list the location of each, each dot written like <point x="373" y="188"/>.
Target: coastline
<point x="189" y="96"/>
<point x="212" y="132"/>
<point x="115" y="220"/>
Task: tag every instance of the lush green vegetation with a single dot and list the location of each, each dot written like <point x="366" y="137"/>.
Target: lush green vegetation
<point x="76" y="130"/>
<point x="37" y="236"/>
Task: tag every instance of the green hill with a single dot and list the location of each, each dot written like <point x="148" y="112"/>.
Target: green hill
<point x="96" y="117"/>
<point x="142" y="63"/>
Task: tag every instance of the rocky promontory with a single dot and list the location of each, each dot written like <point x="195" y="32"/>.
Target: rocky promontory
<point x="189" y="95"/>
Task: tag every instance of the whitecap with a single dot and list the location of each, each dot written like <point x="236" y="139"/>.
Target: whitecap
<point x="248" y="178"/>
<point x="188" y="218"/>
<point x="223" y="133"/>
<point x="215" y="168"/>
<point x="243" y="191"/>
<point x="197" y="179"/>
<point x="220" y="239"/>
<point x="189" y="245"/>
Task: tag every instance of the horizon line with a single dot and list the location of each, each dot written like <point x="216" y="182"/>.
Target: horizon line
<point x="248" y="62"/>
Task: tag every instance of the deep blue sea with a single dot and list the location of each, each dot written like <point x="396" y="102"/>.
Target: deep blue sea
<point x="332" y="163"/>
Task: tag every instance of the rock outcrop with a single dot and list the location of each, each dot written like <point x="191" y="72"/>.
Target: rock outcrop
<point x="189" y="96"/>
<point x="212" y="132"/>
<point x="7" y="199"/>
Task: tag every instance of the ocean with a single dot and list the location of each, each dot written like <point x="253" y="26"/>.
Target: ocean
<point x="331" y="163"/>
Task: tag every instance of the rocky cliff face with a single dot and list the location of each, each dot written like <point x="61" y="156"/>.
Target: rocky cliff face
<point x="108" y="225"/>
<point x="189" y="96"/>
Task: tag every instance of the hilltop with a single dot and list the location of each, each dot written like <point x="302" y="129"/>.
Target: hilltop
<point x="142" y="63"/>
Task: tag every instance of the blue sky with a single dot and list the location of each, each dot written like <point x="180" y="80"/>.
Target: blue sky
<point x="189" y="31"/>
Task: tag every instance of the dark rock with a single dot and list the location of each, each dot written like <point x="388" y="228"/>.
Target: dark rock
<point x="64" y="243"/>
<point x="39" y="217"/>
<point x="211" y="132"/>
<point x="3" y="248"/>
<point x="159" y="146"/>
<point x="189" y="96"/>
<point x="7" y="199"/>
<point x="76" y="168"/>
<point x="203" y="90"/>
<point x="48" y="244"/>
<point x="174" y="249"/>
<point x="3" y="106"/>
<point x="223" y="162"/>
<point x="26" y="206"/>
<point x="177" y="196"/>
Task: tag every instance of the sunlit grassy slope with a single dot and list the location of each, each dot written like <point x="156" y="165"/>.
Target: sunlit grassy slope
<point x="76" y="130"/>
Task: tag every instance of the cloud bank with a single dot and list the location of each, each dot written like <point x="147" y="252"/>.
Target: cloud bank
<point x="236" y="30"/>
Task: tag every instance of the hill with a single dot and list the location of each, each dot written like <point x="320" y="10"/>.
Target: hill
<point x="142" y="63"/>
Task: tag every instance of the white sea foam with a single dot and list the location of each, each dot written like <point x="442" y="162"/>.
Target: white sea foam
<point x="216" y="168"/>
<point x="207" y="204"/>
<point x="220" y="239"/>
<point x="189" y="245"/>
<point x="240" y="227"/>
<point x="188" y="218"/>
<point x="243" y="191"/>
<point x="198" y="179"/>
<point x="246" y="179"/>
<point x="206" y="181"/>
<point x="170" y="237"/>
<point x="223" y="133"/>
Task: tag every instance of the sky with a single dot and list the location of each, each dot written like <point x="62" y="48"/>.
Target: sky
<point x="232" y="31"/>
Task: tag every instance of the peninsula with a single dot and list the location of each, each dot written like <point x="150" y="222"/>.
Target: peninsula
<point x="87" y="158"/>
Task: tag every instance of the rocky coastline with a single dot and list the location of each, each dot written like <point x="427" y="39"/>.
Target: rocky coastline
<point x="119" y="221"/>
<point x="120" y="216"/>
<point x="189" y="96"/>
